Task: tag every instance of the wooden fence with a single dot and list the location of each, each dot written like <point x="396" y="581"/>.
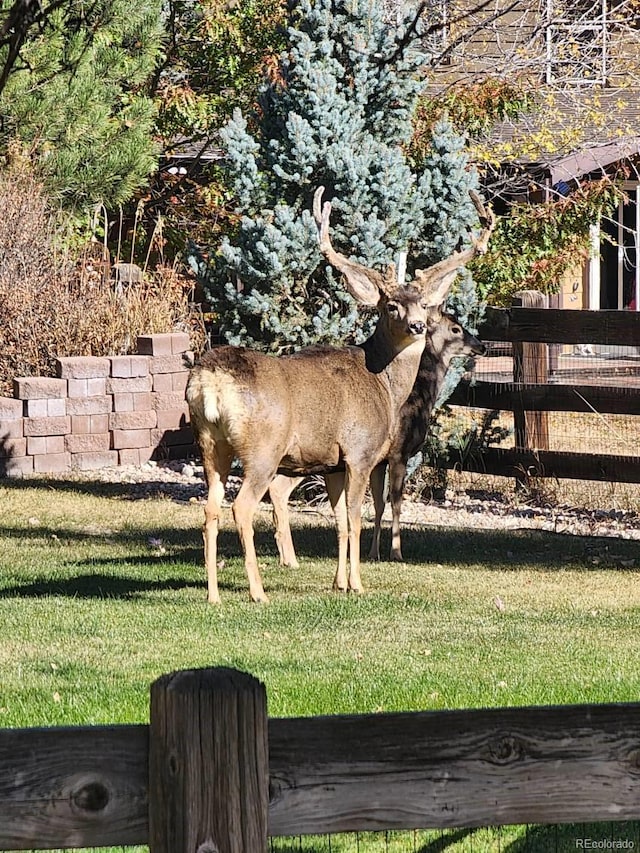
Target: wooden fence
<point x="531" y="395"/>
<point x="212" y="774"/>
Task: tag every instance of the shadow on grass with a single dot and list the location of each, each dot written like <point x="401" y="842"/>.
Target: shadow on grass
<point x="127" y="491"/>
<point x="88" y="586"/>
<point x="115" y="576"/>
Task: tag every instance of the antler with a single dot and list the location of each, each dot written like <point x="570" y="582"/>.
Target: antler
<point x="363" y="283"/>
<point x="436" y="281"/>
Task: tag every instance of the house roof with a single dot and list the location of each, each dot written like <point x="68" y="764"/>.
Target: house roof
<point x="609" y="126"/>
<point x="592" y="160"/>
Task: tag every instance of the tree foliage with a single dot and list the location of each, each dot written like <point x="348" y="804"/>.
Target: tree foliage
<point x="536" y="243"/>
<point x="77" y="101"/>
<point x="338" y="114"/>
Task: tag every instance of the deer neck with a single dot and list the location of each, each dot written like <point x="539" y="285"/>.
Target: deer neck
<point x="432" y="372"/>
<point x="396" y="363"/>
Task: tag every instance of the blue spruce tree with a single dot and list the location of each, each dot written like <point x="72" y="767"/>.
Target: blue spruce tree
<point x="339" y="116"/>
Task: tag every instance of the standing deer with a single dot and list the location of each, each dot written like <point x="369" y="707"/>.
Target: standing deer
<point x="446" y="338"/>
<point x="318" y="410"/>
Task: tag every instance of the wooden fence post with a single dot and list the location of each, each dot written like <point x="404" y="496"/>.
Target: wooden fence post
<point x="208" y="763"/>
<point x="530" y="367"/>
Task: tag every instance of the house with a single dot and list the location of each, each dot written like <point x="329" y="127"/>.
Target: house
<point x="582" y="57"/>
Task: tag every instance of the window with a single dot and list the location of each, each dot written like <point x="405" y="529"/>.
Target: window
<point x="577" y="41"/>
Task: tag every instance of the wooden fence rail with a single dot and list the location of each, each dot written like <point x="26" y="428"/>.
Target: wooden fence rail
<point x="531" y="394"/>
<point x="211" y="773"/>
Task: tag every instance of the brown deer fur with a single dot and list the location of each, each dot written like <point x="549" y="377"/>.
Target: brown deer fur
<point x="446" y="338"/>
<point x="318" y="409"/>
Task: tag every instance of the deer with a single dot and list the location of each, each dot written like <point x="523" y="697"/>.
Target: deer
<point x="330" y="410"/>
<point x="446" y="338"/>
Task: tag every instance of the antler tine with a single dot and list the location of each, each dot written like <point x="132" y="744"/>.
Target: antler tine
<point x="363" y="283"/>
<point x="437" y="280"/>
<point x="488" y="218"/>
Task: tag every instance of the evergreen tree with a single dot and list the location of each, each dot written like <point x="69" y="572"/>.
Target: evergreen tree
<point x="339" y="116"/>
<point x="77" y="100"/>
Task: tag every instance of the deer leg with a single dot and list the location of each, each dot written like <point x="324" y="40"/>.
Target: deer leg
<point x="280" y="492"/>
<point x="397" y="470"/>
<point x="337" y="498"/>
<point x="355" y="488"/>
<point x="244" y="507"/>
<point x="216" y="460"/>
<point x="376" y="482"/>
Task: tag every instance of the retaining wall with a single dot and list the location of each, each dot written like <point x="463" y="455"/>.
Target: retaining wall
<point x="100" y="412"/>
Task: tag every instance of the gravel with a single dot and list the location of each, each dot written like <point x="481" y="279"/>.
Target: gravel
<point x="184" y="482"/>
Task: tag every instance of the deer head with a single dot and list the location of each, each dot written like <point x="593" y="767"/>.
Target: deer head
<point x="368" y="286"/>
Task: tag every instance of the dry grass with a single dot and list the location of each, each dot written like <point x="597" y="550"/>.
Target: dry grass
<point x="58" y="304"/>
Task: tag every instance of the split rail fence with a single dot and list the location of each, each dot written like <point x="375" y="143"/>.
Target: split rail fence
<point x="533" y="331"/>
<point x="212" y="774"/>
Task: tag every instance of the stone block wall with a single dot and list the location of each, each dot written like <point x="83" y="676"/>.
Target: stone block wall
<point x="100" y="412"/>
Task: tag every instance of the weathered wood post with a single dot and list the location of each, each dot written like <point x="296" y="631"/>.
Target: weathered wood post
<point x="530" y="367"/>
<point x="208" y="763"/>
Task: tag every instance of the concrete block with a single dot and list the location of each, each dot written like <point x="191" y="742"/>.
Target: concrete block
<point x="179" y="382"/>
<point x="133" y="385"/>
<point x="11" y="428"/>
<point x="136" y="456"/>
<point x="87" y="443"/>
<point x="89" y="405"/>
<point x="133" y="420"/>
<point x="41" y="445"/>
<point x="51" y="463"/>
<point x="175" y="451"/>
<point x="18" y="466"/>
<point x="170" y="437"/>
<point x="180" y="342"/>
<point x="39" y="387"/>
<point x="170" y="363"/>
<point x="163" y="383"/>
<point x="87" y="387"/>
<point x="93" y="460"/>
<point x="155" y="344"/>
<point x="173" y="418"/>
<point x="83" y="367"/>
<point x="13" y="448"/>
<point x="10" y="409"/>
<point x="47" y="426"/>
<point x="52" y="408"/>
<point x="168" y="401"/>
<point x="128" y="366"/>
<point x="125" y="439"/>
<point x="123" y="402"/>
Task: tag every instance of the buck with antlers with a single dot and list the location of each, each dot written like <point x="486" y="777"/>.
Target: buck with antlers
<point x="446" y="338"/>
<point x="319" y="410"/>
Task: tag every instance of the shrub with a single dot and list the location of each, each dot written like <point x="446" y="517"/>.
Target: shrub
<point x="58" y="303"/>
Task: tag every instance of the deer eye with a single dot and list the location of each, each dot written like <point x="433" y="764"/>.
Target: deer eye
<point x="393" y="308"/>
<point x="456" y="330"/>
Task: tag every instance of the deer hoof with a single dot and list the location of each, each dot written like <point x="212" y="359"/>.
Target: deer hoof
<point x="260" y="597"/>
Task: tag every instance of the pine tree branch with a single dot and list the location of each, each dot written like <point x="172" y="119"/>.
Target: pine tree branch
<point x="20" y="19"/>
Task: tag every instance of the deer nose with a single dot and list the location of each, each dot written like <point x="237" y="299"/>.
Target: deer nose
<point x="417" y="327"/>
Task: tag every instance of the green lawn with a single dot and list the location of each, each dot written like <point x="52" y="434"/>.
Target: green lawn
<point x="101" y="594"/>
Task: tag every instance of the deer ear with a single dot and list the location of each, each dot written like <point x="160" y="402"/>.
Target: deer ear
<point x="436" y="284"/>
<point x="363" y="284"/>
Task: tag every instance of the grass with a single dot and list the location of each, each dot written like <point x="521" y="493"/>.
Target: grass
<point x="100" y="594"/>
